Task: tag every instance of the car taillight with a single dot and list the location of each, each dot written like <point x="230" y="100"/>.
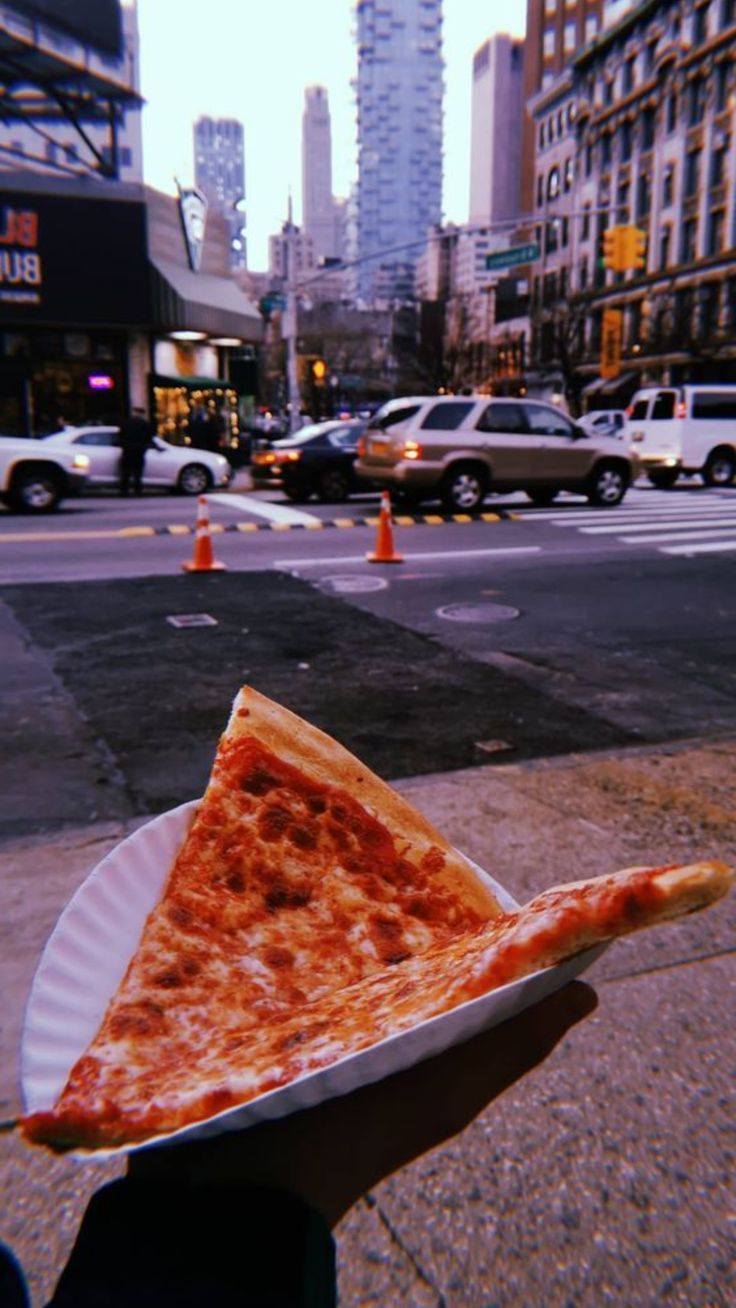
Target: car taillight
<point x="288" y="456"/>
<point x="360" y="447"/>
<point x="681" y="410"/>
<point x="412" y="450"/>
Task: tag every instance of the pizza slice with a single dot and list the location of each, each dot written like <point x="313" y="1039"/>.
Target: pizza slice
<point x="311" y="913"/>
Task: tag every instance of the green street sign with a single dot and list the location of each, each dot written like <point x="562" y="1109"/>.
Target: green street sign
<point x="515" y="255"/>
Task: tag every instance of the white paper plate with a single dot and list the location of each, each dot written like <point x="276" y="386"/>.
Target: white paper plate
<point x="88" y="951"/>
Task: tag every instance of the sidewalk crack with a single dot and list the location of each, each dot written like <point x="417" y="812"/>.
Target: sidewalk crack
<point x="396" y="1239"/>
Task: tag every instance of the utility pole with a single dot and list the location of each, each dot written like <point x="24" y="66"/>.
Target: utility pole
<point x="289" y="326"/>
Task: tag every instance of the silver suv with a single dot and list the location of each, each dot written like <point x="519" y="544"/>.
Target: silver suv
<point x="459" y="448"/>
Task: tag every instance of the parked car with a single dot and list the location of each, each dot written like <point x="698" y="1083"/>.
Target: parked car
<point x="318" y="460"/>
<point x="676" y="429"/>
<point x="171" y="467"/>
<point x="603" y="422"/>
<point x="34" y="479"/>
<point x="458" y="449"/>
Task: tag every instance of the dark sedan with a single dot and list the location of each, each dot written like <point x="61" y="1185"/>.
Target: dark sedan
<point x="317" y="460"/>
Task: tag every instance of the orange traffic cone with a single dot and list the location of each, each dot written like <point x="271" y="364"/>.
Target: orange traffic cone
<point x="384" y="551"/>
<point x="203" y="559"/>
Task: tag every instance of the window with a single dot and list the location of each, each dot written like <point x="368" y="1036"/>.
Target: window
<point x="548" y="42"/>
<point x="546" y="422"/>
<point x="688" y="250"/>
<point x="583" y="274"/>
<point x="664" y="406"/>
<point x="446" y="417"/>
<point x="639" y="411"/>
<point x="651" y="55"/>
<point x="588" y="159"/>
<point x="591" y="28"/>
<point x="568" y="175"/>
<point x="696" y="101"/>
<point x="692" y="173"/>
<point x="668" y="186"/>
<point x="605" y="151"/>
<point x="671" y="118"/>
<point x="700" y="25"/>
<point x="502" y="417"/>
<point x="709" y="303"/>
<point x="551" y="241"/>
<point x="648" y="121"/>
<point x="665" y="242"/>
<point x="628" y="76"/>
<point x="569" y="38"/>
<point x="394" y="416"/>
<point x="550" y="6"/>
<point x="585" y="231"/>
<point x="540" y="190"/>
<point x="718" y="163"/>
<point x="728" y="13"/>
<point x="564" y="232"/>
<point x="622" y="200"/>
<point x="553" y="184"/>
<point x="714" y="404"/>
<point x="625" y="135"/>
<point x="643" y="195"/>
<point x="720" y="100"/>
<point x="608" y="91"/>
<point x="541" y="136"/>
<point x="716" y="231"/>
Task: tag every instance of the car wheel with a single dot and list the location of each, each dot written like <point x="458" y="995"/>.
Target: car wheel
<point x="541" y="497"/>
<point x="464" y="489"/>
<point x="35" y="490"/>
<point x="194" y="479"/>
<point x="334" y="486"/>
<point x="663" y="478"/>
<point x="297" y="494"/>
<point x="720" y="470"/>
<point x="608" y="485"/>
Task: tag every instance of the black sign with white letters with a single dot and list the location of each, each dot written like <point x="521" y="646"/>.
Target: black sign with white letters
<point x="71" y="261"/>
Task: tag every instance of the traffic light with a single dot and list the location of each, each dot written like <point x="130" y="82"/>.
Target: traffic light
<point x="319" y="371"/>
<point x="637" y="250"/>
<point x="624" y="247"/>
<point x="612" y="251"/>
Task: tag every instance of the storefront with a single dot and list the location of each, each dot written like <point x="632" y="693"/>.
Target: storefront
<point x="106" y="303"/>
<point x="73" y="287"/>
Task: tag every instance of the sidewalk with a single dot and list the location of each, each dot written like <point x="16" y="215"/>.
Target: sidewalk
<point x="606" y="1176"/>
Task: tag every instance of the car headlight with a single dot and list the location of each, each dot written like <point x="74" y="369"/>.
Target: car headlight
<point x="81" y="462"/>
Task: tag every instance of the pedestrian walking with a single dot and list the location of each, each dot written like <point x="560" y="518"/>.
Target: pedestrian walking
<point x="136" y="434"/>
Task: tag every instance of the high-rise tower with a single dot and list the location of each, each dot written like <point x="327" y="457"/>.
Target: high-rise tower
<point x="319" y="217"/>
<point x="399" y="102"/>
<point x="495" y="131"/>
<point x="219" y="172"/>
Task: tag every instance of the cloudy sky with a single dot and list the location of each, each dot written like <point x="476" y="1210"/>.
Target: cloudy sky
<point x="251" y="59"/>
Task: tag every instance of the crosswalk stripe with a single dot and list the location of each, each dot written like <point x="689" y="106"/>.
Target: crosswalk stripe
<point x="665" y="525"/>
<point x="704" y="547"/>
<point x="703" y="534"/>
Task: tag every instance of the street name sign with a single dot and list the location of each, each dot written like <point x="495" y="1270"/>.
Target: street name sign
<point x="516" y="254"/>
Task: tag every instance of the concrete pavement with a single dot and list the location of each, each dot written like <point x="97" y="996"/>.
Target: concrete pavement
<point x="607" y="1175"/>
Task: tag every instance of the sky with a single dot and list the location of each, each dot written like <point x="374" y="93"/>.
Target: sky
<point x="252" y="59"/>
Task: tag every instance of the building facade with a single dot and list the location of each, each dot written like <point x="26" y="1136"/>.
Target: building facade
<point x="399" y="122"/>
<point x="319" y="214"/>
<point x="555" y="31"/>
<point x="108" y="143"/>
<point x="219" y="173"/>
<point x="495" y="131"/>
<point x="649" y="118"/>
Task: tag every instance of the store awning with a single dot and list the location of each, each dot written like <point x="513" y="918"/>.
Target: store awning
<point x="187" y="301"/>
<point x="607" y="386"/>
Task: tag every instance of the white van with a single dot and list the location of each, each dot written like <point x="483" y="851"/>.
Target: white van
<point x="674" y="429"/>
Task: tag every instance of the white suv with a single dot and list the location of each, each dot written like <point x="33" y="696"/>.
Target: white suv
<point x="459" y="448"/>
<point x="35" y="479"/>
<point x="674" y="429"/>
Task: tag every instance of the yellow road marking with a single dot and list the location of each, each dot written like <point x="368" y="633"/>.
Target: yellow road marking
<point x="345" y="522"/>
<point x="461" y="517"/>
<point x="136" y="531"/>
<point x="491" y="517"/>
<point x="178" y="529"/>
<point x="404" y="522"/>
<point x="433" y="520"/>
<point x="247" y="526"/>
<point x="13" y="537"/>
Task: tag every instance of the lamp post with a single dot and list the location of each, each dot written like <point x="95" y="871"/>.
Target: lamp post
<point x="289" y="329"/>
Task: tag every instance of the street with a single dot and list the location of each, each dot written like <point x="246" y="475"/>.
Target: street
<point x="533" y="633"/>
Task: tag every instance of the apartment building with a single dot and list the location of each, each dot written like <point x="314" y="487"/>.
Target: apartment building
<point x="219" y="172"/>
<point x="495" y="131"/>
<point x="399" y="89"/>
<point x="648" y="117"/>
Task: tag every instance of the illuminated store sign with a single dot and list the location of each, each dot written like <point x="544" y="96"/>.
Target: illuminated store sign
<point x="100" y="381"/>
<point x="20" y="262"/>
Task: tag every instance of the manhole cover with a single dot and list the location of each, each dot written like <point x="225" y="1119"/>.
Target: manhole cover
<point x="477" y="612"/>
<point x="355" y="585"/>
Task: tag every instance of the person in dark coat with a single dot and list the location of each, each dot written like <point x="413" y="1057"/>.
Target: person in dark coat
<point x="136" y="435"/>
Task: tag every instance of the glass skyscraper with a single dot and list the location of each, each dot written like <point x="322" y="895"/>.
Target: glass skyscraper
<point x="399" y="106"/>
